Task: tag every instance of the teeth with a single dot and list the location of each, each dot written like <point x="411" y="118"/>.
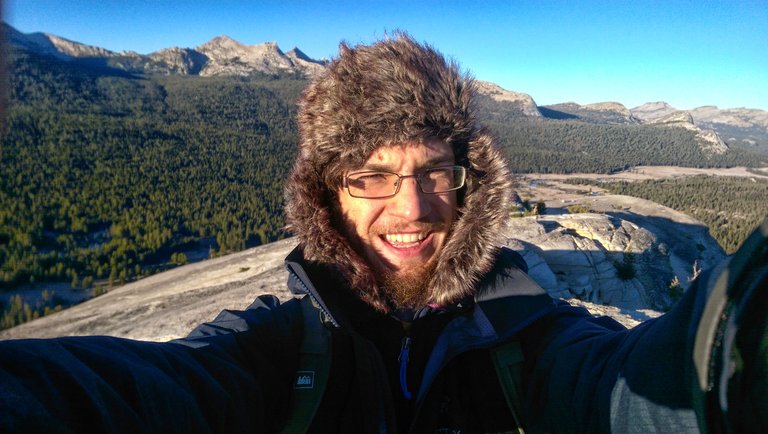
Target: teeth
<point x="404" y="238"/>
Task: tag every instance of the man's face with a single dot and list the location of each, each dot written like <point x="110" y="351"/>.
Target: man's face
<point x="401" y="236"/>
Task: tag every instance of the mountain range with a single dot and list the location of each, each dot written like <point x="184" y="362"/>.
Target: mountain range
<point x="715" y="128"/>
<point x="219" y="56"/>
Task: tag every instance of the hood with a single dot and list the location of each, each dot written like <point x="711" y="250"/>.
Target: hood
<point x="395" y="91"/>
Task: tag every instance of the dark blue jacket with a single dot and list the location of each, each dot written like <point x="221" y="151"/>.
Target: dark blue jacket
<point x="581" y="373"/>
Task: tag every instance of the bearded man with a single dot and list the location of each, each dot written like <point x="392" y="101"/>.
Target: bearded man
<point x="408" y="317"/>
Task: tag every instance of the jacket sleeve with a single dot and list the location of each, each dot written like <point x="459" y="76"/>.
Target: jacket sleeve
<point x="590" y="376"/>
<point x="231" y="375"/>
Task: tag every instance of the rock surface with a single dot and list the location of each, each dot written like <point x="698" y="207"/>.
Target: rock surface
<point x="608" y="260"/>
<point x="653" y="110"/>
<point x="612" y="106"/>
<point x="229" y="57"/>
<point x="527" y="105"/>
<point x="170" y="304"/>
<point x="664" y="114"/>
<point x="737" y="117"/>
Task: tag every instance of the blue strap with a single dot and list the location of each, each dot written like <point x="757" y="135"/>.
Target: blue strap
<point x="404" y="350"/>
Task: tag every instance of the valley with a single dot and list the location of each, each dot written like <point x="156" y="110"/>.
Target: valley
<point x="552" y="187"/>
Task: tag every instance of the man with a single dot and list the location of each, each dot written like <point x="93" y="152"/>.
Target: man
<point x="410" y="319"/>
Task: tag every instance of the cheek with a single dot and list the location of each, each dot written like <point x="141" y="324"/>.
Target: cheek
<point x="358" y="214"/>
<point x="448" y="206"/>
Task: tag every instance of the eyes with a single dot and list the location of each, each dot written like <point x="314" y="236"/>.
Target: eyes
<point x="368" y="180"/>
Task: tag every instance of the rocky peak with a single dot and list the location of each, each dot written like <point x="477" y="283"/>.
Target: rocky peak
<point x="175" y="60"/>
<point x="653" y="110"/>
<point x="76" y="49"/>
<point x="307" y="65"/>
<point x="737" y="117"/>
<point x="52" y="45"/>
<point x="295" y="53"/>
<point x="661" y="113"/>
<point x="221" y="55"/>
<point x="610" y="106"/>
<point x="221" y="46"/>
<point x="675" y="117"/>
<point x="229" y="57"/>
<point x="497" y="93"/>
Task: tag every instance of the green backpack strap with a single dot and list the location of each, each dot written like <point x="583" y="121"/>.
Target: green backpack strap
<point x="314" y="368"/>
<point x="508" y="361"/>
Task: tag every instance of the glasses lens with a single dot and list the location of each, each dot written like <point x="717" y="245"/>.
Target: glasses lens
<point x="442" y="179"/>
<point x="372" y="184"/>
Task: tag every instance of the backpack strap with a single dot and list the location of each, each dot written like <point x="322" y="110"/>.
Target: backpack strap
<point x="507" y="297"/>
<point x="508" y="361"/>
<point x="313" y="371"/>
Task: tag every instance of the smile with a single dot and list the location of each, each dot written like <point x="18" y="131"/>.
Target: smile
<point x="404" y="240"/>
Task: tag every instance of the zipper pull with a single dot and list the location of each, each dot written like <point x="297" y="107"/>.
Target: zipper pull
<point x="403" y="359"/>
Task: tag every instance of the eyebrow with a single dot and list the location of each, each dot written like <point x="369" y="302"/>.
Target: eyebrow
<point x="440" y="160"/>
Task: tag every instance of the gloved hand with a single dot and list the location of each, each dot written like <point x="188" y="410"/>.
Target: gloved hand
<point x="731" y="347"/>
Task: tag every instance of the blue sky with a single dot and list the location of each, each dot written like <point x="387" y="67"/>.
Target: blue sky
<point x="687" y="53"/>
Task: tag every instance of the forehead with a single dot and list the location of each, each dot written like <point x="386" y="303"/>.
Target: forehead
<point x="419" y="154"/>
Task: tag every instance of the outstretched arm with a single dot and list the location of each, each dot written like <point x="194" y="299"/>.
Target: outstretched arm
<point x="587" y="377"/>
<point x="236" y="379"/>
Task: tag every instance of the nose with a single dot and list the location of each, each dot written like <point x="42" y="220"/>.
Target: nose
<point x="409" y="202"/>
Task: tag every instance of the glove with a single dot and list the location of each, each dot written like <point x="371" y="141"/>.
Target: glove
<point x="730" y="353"/>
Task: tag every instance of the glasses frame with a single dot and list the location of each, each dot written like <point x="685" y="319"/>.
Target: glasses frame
<point x="418" y="176"/>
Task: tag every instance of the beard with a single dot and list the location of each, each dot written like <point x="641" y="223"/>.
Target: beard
<point x="407" y="288"/>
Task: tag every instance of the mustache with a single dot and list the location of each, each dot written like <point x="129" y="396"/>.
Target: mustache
<point x="395" y="227"/>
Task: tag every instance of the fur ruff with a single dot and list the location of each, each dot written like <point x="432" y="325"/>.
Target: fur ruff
<point x="395" y="91"/>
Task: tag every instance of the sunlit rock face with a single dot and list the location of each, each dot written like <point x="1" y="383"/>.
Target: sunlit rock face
<point x="524" y="101"/>
<point x="663" y="114"/>
<point x="607" y="260"/>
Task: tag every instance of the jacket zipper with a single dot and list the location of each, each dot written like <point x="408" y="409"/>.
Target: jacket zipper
<point x="405" y="348"/>
<point x="315" y="300"/>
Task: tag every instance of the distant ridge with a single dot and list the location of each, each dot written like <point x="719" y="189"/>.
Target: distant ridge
<point x="219" y="56"/>
<point x="746" y="126"/>
<point x="223" y="56"/>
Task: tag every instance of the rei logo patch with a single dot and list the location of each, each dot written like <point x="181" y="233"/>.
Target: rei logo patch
<point x="304" y="380"/>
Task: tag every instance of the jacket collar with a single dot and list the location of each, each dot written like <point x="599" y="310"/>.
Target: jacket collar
<point x="493" y="313"/>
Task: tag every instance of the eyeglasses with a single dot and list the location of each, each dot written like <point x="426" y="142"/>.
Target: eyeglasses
<point x="376" y="184"/>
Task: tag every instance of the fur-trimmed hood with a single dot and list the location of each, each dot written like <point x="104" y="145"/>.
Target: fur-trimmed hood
<point x="392" y="92"/>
